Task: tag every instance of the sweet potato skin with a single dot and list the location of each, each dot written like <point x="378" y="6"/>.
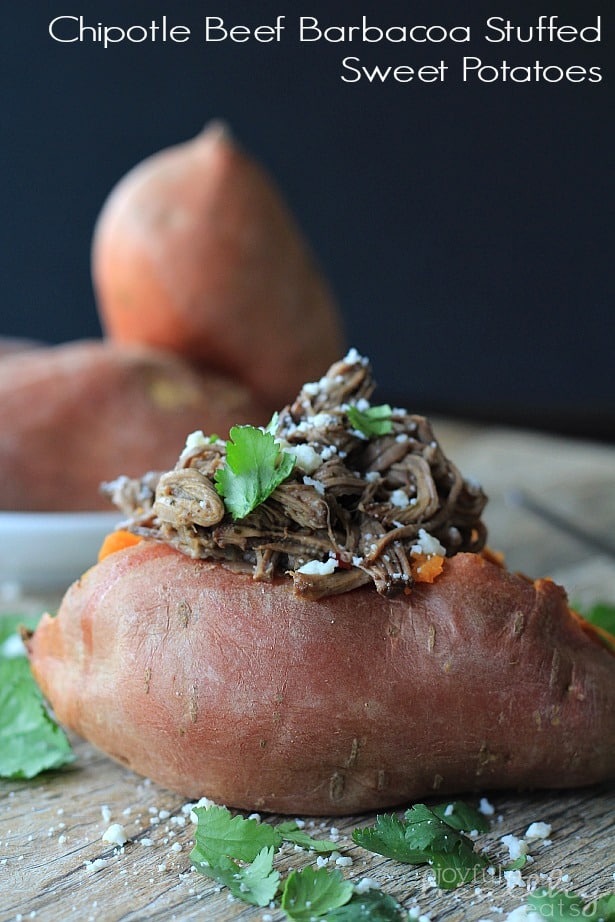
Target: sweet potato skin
<point x="195" y="251"/>
<point x="74" y="415"/>
<point x="213" y="684"/>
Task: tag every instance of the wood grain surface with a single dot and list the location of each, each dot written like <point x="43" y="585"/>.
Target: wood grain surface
<point x="54" y="864"/>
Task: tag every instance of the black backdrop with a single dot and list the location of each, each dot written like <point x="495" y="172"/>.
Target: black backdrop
<point x="466" y="228"/>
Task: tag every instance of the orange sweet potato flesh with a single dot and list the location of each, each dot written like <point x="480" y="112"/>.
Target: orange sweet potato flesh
<point x="195" y="251"/>
<point x="74" y="415"/>
<point x="213" y="684"/>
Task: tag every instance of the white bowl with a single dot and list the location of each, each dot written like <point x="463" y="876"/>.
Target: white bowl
<point x="49" y="550"/>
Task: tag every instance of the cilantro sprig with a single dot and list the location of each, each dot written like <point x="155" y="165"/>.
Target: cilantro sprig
<point x="239" y="853"/>
<point x="254" y="467"/>
<point x="373" y="421"/>
<point x="30" y="740"/>
<point x="429" y="836"/>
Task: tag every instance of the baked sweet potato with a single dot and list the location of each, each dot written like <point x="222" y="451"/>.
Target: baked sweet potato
<point x="213" y="684"/>
<point x="196" y="252"/>
<point x="74" y="415"/>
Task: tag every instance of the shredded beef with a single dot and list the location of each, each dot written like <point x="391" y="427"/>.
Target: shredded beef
<point x="376" y="505"/>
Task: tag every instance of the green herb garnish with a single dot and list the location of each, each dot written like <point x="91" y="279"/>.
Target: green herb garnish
<point x="223" y="840"/>
<point x="425" y="837"/>
<point x="310" y="894"/>
<point x="563" y="907"/>
<point x="255" y="466"/>
<point x="373" y="421"/>
<point x="601" y="615"/>
<point x="373" y="906"/>
<point x="30" y="741"/>
<point x="239" y="853"/>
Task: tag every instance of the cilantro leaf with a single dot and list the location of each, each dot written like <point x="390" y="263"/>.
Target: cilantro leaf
<point x="426" y="831"/>
<point x="223" y="840"/>
<point x="388" y="837"/>
<point x="255" y="883"/>
<point x="602" y="615"/>
<point x="290" y="832"/>
<point x="310" y="894"/>
<point x="461" y="816"/>
<point x="564" y="907"/>
<point x="457" y="866"/>
<point x="604" y="908"/>
<point x="373" y="421"/>
<point x="373" y="906"/>
<point x="30" y="741"/>
<point x="424" y="838"/>
<point x="219" y="835"/>
<point x="255" y="466"/>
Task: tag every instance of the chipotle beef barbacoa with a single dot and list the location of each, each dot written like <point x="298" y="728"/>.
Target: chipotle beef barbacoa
<point x="371" y="496"/>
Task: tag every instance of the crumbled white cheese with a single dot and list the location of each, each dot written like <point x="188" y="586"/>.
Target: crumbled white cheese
<point x="372" y="476"/>
<point x="516" y="847"/>
<point x="513" y="879"/>
<point x="328" y="451"/>
<point x="306" y="458"/>
<point x="311" y="388"/>
<point x="316" y="484"/>
<point x="362" y="405"/>
<point x="537" y="831"/>
<point x="317" y="568"/>
<point x="115" y="834"/>
<point x="486" y="808"/>
<point x="196" y="439"/>
<point x="450" y="809"/>
<point x="399" y="498"/>
<point x="105" y="813"/>
<point x="190" y="808"/>
<point x="354" y="357"/>
<point x="365" y="884"/>
<point x="427" y="544"/>
<point x="344" y="861"/>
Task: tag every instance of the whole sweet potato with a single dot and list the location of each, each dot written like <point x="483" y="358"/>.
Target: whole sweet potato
<point x="214" y="684"/>
<point x="74" y="415"/>
<point x="196" y="252"/>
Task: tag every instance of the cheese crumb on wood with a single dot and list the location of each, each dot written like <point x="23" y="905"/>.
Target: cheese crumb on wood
<point x="115" y="835"/>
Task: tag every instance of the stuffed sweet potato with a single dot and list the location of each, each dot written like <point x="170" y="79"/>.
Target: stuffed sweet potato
<point x="214" y="684"/>
<point x="305" y="619"/>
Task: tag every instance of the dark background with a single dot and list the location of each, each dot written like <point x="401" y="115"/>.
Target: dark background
<point x="466" y="229"/>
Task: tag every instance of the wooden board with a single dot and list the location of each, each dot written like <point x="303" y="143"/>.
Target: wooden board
<point x="54" y="864"/>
